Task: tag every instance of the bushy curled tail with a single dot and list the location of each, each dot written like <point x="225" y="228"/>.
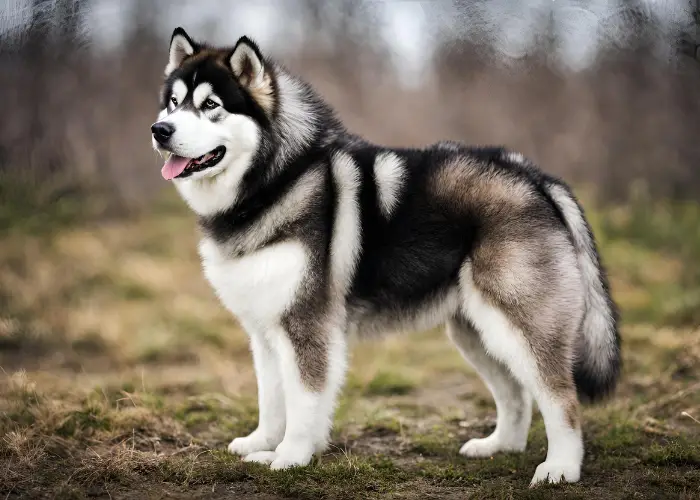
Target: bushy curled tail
<point x="598" y="360"/>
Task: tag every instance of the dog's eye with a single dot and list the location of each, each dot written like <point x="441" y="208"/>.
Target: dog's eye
<point x="209" y="104"/>
<point x="173" y="99"/>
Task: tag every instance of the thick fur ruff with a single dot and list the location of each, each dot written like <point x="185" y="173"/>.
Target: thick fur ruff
<point x="310" y="233"/>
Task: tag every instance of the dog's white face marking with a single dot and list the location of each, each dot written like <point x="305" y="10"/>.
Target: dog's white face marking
<point x="201" y="130"/>
<point x="195" y="135"/>
<point x="163" y="113"/>
<point x="202" y="92"/>
<point x="208" y="198"/>
<point x="178" y="95"/>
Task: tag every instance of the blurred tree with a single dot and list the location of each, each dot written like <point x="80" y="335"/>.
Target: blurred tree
<point x="690" y="38"/>
<point x="651" y="94"/>
<point x="344" y="35"/>
<point x="38" y="29"/>
<point x="51" y="46"/>
<point x="68" y="24"/>
<point x="34" y="56"/>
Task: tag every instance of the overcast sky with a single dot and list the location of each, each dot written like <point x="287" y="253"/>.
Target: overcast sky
<point x="409" y="27"/>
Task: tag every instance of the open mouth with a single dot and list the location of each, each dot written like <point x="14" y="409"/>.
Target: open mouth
<point x="180" y="166"/>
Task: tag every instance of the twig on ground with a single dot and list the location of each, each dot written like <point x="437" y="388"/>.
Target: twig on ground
<point x="666" y="400"/>
<point x="686" y="414"/>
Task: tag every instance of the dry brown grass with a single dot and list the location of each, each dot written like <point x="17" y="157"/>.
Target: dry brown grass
<point x="124" y="377"/>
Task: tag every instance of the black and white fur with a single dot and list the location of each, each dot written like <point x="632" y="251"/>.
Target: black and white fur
<point x="310" y="232"/>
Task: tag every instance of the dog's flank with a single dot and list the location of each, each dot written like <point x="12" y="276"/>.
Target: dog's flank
<point x="310" y="233"/>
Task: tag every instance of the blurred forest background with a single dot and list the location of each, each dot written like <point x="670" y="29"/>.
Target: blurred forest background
<point x="122" y="371"/>
<point x="597" y="92"/>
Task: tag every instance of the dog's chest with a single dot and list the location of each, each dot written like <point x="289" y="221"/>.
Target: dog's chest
<point x="258" y="287"/>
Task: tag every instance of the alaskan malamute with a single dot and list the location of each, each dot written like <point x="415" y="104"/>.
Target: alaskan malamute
<point x="310" y="233"/>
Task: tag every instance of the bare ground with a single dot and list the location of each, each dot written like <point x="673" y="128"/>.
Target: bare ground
<point x="125" y="378"/>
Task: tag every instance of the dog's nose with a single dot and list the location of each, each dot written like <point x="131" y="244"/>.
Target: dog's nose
<point x="162" y="131"/>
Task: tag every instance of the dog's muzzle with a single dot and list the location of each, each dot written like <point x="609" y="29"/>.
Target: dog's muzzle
<point x="162" y="131"/>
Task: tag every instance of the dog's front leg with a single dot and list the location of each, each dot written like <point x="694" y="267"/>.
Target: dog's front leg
<point x="271" y="422"/>
<point x="312" y="365"/>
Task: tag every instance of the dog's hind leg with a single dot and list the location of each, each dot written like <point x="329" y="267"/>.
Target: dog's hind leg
<point x="513" y="402"/>
<point x="525" y="299"/>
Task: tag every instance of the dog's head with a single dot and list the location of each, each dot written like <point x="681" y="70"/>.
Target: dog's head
<point x="214" y="104"/>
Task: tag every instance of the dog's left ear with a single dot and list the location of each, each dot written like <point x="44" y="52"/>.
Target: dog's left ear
<point x="181" y="47"/>
<point x="246" y="62"/>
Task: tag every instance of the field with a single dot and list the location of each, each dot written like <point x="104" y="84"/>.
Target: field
<point x="123" y="376"/>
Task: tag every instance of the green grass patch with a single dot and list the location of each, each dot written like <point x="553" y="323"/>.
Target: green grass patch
<point x="389" y="384"/>
<point x="674" y="451"/>
<point x="438" y="441"/>
<point x="637" y="242"/>
<point x="119" y="287"/>
<point x="342" y="477"/>
<point x="234" y="417"/>
<point x="90" y="344"/>
<point x="84" y="422"/>
<point x="187" y="327"/>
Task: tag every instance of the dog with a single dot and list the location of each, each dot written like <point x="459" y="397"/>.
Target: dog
<point x="310" y="234"/>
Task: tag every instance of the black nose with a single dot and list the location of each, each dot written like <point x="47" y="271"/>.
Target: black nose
<point x="162" y="131"/>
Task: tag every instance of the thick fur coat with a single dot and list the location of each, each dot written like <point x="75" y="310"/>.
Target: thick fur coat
<point x="310" y="233"/>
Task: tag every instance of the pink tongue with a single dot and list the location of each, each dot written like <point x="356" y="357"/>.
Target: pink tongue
<point x="174" y="167"/>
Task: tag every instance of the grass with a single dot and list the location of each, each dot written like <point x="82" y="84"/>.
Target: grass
<point x="388" y="383"/>
<point x="124" y="377"/>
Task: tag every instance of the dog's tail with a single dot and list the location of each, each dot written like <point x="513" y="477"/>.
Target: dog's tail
<point x="598" y="361"/>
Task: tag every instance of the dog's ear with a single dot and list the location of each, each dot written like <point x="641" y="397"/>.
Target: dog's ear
<point x="181" y="47"/>
<point x="247" y="64"/>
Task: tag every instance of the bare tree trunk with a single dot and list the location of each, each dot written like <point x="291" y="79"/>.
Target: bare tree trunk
<point x="36" y="60"/>
<point x="67" y="21"/>
<point x="51" y="49"/>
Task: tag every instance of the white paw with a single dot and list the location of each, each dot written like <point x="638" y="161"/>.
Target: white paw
<point x="261" y="457"/>
<point x="281" y="463"/>
<point x="487" y="447"/>
<point x="256" y="441"/>
<point x="553" y="472"/>
<point x="291" y="454"/>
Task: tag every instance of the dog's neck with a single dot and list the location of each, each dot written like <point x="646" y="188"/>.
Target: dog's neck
<point x="297" y="126"/>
